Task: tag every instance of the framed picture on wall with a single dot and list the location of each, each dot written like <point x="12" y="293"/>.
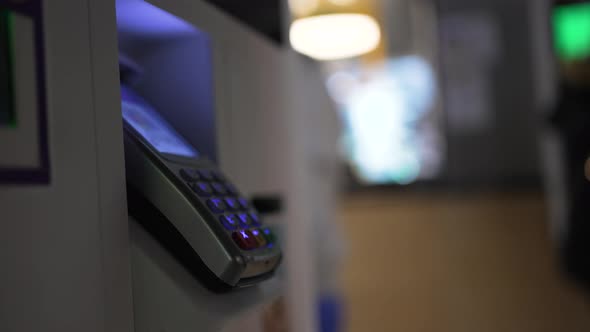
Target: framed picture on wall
<point x="24" y="157"/>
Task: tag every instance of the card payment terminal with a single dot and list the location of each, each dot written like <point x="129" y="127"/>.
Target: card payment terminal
<point x="190" y="206"/>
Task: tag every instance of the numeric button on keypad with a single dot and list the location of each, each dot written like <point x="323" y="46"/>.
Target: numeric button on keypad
<point x="243" y="203"/>
<point x="231" y="189"/>
<point x="216" y="205"/>
<point x="202" y="189"/>
<point x="219" y="188"/>
<point x="217" y="176"/>
<point x="189" y="175"/>
<point x="206" y="175"/>
<point x="255" y="218"/>
<point x="229" y="222"/>
<point x="232" y="204"/>
<point x="244" y="219"/>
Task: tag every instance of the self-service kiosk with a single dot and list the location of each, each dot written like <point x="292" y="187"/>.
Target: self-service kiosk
<point x="198" y="243"/>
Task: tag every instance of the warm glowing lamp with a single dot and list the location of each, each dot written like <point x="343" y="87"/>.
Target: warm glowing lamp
<point x="333" y="29"/>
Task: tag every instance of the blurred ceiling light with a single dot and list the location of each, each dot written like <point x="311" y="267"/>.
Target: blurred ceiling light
<point x="343" y="2"/>
<point x="335" y="36"/>
<point x="304" y="7"/>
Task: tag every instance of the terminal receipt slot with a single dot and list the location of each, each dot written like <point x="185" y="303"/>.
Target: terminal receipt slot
<point x="186" y="203"/>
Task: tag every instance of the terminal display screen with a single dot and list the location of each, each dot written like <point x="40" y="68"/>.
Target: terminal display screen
<point x="153" y="128"/>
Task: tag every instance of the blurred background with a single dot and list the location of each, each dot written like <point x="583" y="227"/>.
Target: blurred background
<point x="463" y="148"/>
<point x="432" y="156"/>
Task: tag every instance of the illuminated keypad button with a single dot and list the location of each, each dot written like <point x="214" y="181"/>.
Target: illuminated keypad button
<point x="245" y="240"/>
<point x="216" y="205"/>
<point x="243" y="203"/>
<point x="244" y="219"/>
<point x="229" y="222"/>
<point x="189" y="175"/>
<point x="232" y="204"/>
<point x="260" y="238"/>
<point x="219" y="188"/>
<point x="206" y="175"/>
<point x="269" y="235"/>
<point x="202" y="189"/>
<point x="231" y="189"/>
<point x="217" y="176"/>
<point x="255" y="218"/>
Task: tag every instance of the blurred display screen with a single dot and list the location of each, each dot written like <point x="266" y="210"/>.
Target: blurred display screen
<point x="391" y="135"/>
<point x="153" y="128"/>
<point x="7" y="116"/>
<point x="571" y="30"/>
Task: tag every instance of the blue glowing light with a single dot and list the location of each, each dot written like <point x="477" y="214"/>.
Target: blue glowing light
<point x="243" y="217"/>
<point x="255" y="232"/>
<point x="232" y="203"/>
<point x="244" y="235"/>
<point x="141" y="17"/>
<point x="152" y="127"/>
<point x="231" y="219"/>
<point x="385" y="109"/>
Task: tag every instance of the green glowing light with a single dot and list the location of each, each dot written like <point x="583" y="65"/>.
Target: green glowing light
<point x="571" y="31"/>
<point x="7" y="110"/>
